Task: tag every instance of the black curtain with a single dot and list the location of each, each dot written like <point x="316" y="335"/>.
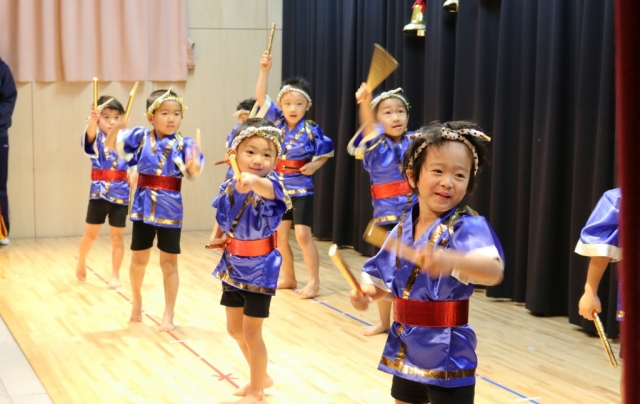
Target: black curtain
<point x="538" y="78"/>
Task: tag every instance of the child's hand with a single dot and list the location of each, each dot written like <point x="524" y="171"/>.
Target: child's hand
<point x="588" y="303"/>
<point x="193" y="160"/>
<point x="246" y="182"/>
<point x="95" y="115"/>
<point x="310" y="168"/>
<point x="265" y="62"/>
<point x="133" y="178"/>
<point x="363" y="94"/>
<point x="218" y="242"/>
<point x="359" y="301"/>
<point x="438" y="262"/>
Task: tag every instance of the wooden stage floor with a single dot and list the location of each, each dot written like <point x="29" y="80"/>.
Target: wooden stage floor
<point x="78" y="340"/>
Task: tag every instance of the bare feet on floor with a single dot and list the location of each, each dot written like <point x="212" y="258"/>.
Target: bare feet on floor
<point x="167" y="323"/>
<point x="310" y="291"/>
<point x="114" y="283"/>
<point x="242" y="391"/>
<point x="136" y="312"/>
<point x="251" y="398"/>
<point x="81" y="273"/>
<point x="285" y="283"/>
<point x="377" y="328"/>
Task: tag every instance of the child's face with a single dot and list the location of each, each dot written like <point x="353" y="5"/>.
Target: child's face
<point x="257" y="155"/>
<point x="243" y="117"/>
<point x="392" y="115"/>
<point x="167" y="118"/>
<point x="108" y="118"/>
<point x="444" y="177"/>
<point x="294" y="105"/>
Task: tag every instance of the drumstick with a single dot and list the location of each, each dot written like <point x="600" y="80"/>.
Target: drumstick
<point x="344" y="270"/>
<point x="234" y="165"/>
<point x="132" y="95"/>
<point x="273" y="30"/>
<point x="95" y="92"/>
<point x="605" y="340"/>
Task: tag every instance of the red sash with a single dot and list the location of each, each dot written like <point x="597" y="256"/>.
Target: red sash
<point x="108" y="175"/>
<point x="450" y="313"/>
<point x="249" y="248"/>
<point x="290" y="166"/>
<point x="159" y="182"/>
<point x="390" y="189"/>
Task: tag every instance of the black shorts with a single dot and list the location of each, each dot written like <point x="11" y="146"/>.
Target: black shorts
<point x="143" y="235"/>
<point x="302" y="210"/>
<point x="99" y="209"/>
<point x="414" y="392"/>
<point x="255" y="304"/>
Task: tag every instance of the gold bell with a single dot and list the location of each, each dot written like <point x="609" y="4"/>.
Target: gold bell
<point x="451" y="6"/>
<point x="417" y="25"/>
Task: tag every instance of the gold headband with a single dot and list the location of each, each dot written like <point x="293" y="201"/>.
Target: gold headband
<point x="267" y="132"/>
<point x="104" y="105"/>
<point x="288" y="88"/>
<point x="165" y="97"/>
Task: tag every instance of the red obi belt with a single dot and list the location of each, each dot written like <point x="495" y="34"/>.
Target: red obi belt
<point x="450" y="313"/>
<point x="108" y="175"/>
<point x="390" y="189"/>
<point x="249" y="248"/>
<point x="290" y="166"/>
<point x="159" y="182"/>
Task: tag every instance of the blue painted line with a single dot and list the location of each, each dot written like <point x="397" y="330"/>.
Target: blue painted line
<point x="341" y="312"/>
<point x="505" y="388"/>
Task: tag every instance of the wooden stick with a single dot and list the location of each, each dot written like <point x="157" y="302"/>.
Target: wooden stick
<point x="344" y="270"/>
<point x="273" y="30"/>
<point x="198" y="137"/>
<point x="605" y="340"/>
<point x="95" y="92"/>
<point x="132" y="95"/>
<point x="234" y="165"/>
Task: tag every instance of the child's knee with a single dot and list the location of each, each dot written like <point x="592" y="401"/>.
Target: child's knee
<point x="303" y="235"/>
<point x="235" y="332"/>
<point x="117" y="240"/>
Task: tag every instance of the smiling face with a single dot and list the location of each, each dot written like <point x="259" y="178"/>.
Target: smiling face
<point x="294" y="105"/>
<point x="166" y="119"/>
<point x="444" y="177"/>
<point x="392" y="115"/>
<point x="257" y="155"/>
<point x="108" y="118"/>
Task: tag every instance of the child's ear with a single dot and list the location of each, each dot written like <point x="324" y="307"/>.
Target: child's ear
<point x="277" y="161"/>
<point x="149" y="118"/>
<point x="409" y="174"/>
<point x="309" y="104"/>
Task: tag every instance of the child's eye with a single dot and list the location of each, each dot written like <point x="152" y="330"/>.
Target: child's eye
<point x="437" y="171"/>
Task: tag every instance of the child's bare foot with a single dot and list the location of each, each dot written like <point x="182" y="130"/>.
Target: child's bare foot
<point x="250" y="398"/>
<point x="242" y="391"/>
<point x="286" y="283"/>
<point x="310" y="291"/>
<point x="136" y="312"/>
<point x="81" y="273"/>
<point x="167" y="323"/>
<point x="114" y="283"/>
<point x="377" y="328"/>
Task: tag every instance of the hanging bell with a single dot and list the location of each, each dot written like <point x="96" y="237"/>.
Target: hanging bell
<point x="416" y="26"/>
<point x="451" y="6"/>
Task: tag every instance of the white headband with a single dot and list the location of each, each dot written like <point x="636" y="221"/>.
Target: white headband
<point x="240" y="112"/>
<point x="104" y="105"/>
<point x="288" y="88"/>
<point x="165" y="97"/>
<point x="459" y="135"/>
<point x="267" y="132"/>
<point x="397" y="93"/>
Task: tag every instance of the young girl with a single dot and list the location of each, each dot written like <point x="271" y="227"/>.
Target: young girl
<point x="242" y="114"/>
<point x="163" y="157"/>
<point x="430" y="350"/>
<point x="109" y="194"/>
<point x="305" y="150"/>
<point x="249" y="209"/>
<point x="381" y="151"/>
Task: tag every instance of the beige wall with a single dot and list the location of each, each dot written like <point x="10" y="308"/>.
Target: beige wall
<point x="49" y="175"/>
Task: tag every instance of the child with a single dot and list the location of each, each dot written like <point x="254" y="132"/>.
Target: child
<point x="599" y="240"/>
<point x="109" y="194"/>
<point x="250" y="208"/>
<point x="430" y="350"/>
<point x="161" y="155"/>
<point x="242" y="114"/>
<point x="305" y="150"/>
<point x="381" y="151"/>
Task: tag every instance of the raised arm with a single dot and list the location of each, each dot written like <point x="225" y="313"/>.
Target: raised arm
<point x="365" y="113"/>
<point x="93" y="125"/>
<point x="261" y="85"/>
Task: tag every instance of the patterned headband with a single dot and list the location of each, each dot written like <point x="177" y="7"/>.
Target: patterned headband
<point x="105" y="105"/>
<point x="397" y="93"/>
<point x="288" y="88"/>
<point x="267" y="132"/>
<point x="165" y="97"/>
<point x="454" y="134"/>
<point x="240" y="112"/>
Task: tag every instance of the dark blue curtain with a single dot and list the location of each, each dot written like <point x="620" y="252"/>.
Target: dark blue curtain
<point x="537" y="75"/>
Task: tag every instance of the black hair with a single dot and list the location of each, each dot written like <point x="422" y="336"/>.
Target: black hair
<point x="401" y="93"/>
<point x="246" y="104"/>
<point x="432" y="133"/>
<point x="252" y="122"/>
<point x="298" y="82"/>
<point x="156" y="94"/>
<point x="113" y="104"/>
